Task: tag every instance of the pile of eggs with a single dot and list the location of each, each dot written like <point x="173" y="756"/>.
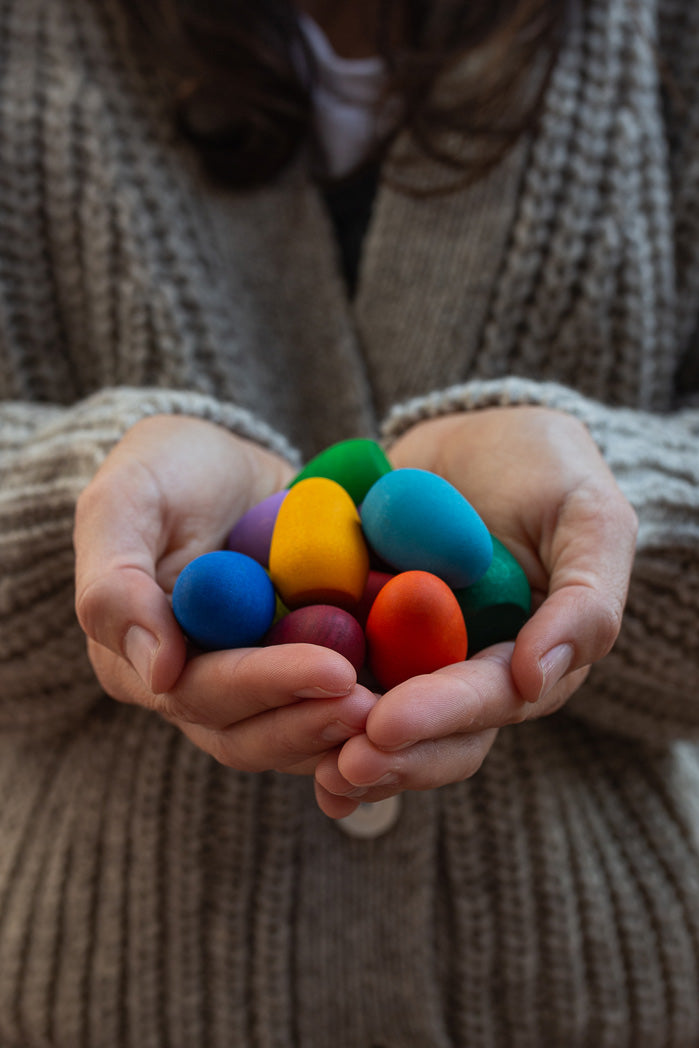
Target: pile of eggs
<point x="393" y="568"/>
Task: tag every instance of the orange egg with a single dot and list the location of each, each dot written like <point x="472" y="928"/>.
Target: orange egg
<point x="318" y="554"/>
<point x="415" y="626"/>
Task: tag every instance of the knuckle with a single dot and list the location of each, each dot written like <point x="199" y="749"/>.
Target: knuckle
<point x="517" y="713"/>
<point x="428" y="773"/>
<point x="223" y="749"/>
<point x="589" y="504"/>
<point x="606" y="508"/>
<point x="89" y="505"/>
<point x="89" y="605"/>
<point x="629" y="519"/>
<point x="477" y="749"/>
<point x="285" y="746"/>
<point x="240" y="750"/>
<point x="574" y="426"/>
<point x="102" y="662"/>
<point x="443" y="761"/>
<point x="174" y="708"/>
<point x="608" y="616"/>
<point x="83" y="505"/>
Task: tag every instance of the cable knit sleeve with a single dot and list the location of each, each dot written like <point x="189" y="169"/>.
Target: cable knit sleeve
<point x="648" y="686"/>
<point x="47" y="455"/>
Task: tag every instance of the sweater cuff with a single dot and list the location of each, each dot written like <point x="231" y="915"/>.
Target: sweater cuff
<point x="488" y="393"/>
<point x="115" y="411"/>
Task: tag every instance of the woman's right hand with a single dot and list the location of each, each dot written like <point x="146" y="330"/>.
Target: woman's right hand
<point x="169" y="491"/>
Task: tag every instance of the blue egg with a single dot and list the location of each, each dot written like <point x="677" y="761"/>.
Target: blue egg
<point x="224" y="600"/>
<point x="417" y="521"/>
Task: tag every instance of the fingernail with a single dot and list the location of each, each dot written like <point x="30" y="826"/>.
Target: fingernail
<point x="400" y="746"/>
<point x="553" y="666"/>
<point x="320" y="693"/>
<point x="389" y="779"/>
<point x="336" y="731"/>
<point x="140" y="647"/>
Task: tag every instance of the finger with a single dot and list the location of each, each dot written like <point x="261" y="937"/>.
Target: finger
<point x="142" y="519"/>
<point x="332" y="806"/>
<point x="466" y="697"/>
<point x="220" y="688"/>
<point x="592" y="550"/>
<point x="125" y="612"/>
<point x="367" y="773"/>
<point x="287" y="738"/>
<point x="118" y="601"/>
<point x="461" y="698"/>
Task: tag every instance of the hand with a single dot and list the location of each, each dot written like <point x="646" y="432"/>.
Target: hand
<point x="541" y="485"/>
<point x="169" y="491"/>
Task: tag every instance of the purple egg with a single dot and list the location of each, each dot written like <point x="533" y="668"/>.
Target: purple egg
<point x="322" y="624"/>
<point x="252" y="534"/>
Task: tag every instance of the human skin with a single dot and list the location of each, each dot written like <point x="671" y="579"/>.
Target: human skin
<point x="164" y="495"/>
<point x="169" y="491"/>
<point x="541" y="485"/>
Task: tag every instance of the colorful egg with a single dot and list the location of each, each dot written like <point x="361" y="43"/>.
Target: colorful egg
<point x="417" y="520"/>
<point x="318" y="554"/>
<point x="376" y="580"/>
<point x="223" y="599"/>
<point x="280" y="609"/>
<point x="496" y="607"/>
<point x="325" y="625"/>
<point x="354" y="464"/>
<point x="415" y="626"/>
<point x="252" y="534"/>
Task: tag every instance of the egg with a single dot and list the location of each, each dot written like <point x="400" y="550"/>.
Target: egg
<point x="415" y="626"/>
<point x="318" y="554"/>
<point x="252" y="534"/>
<point x="322" y="624"/>
<point x="496" y="607"/>
<point x="417" y="520"/>
<point x="353" y="464"/>
<point x="223" y="599"/>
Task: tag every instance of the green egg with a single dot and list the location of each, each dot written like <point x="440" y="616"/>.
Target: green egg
<point x="354" y="464"/>
<point x="496" y="607"/>
<point x="280" y="609"/>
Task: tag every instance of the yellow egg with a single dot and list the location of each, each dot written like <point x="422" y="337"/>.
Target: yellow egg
<point x="318" y="554"/>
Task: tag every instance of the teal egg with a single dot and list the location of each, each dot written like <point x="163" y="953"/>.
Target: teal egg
<point x="417" y="521"/>
<point x="496" y="607"/>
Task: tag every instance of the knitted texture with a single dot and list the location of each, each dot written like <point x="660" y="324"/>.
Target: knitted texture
<point x="150" y="897"/>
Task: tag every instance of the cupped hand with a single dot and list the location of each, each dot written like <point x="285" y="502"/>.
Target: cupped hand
<point x="541" y="485"/>
<point x="169" y="491"/>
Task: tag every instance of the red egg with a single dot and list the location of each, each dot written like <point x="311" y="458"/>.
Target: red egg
<point x="375" y="582"/>
<point x="415" y="626"/>
<point x="322" y="624"/>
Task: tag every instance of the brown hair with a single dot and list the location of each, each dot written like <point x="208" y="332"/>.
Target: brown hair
<point x="245" y="104"/>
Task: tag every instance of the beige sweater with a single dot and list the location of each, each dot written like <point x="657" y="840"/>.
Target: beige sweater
<point x="151" y="898"/>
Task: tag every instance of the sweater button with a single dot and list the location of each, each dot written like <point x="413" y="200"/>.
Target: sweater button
<point x="372" y="820"/>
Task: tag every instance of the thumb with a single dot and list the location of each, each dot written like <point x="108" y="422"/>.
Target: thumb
<point x="125" y="610"/>
<point x="591" y="555"/>
<point x="118" y="601"/>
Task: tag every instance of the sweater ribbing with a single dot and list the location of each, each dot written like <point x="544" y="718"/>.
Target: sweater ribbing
<point x="149" y="896"/>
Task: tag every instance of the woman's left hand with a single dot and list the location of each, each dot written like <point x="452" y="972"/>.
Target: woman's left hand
<point x="540" y="484"/>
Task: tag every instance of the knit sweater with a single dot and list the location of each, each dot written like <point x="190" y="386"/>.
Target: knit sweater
<point x="150" y="897"/>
